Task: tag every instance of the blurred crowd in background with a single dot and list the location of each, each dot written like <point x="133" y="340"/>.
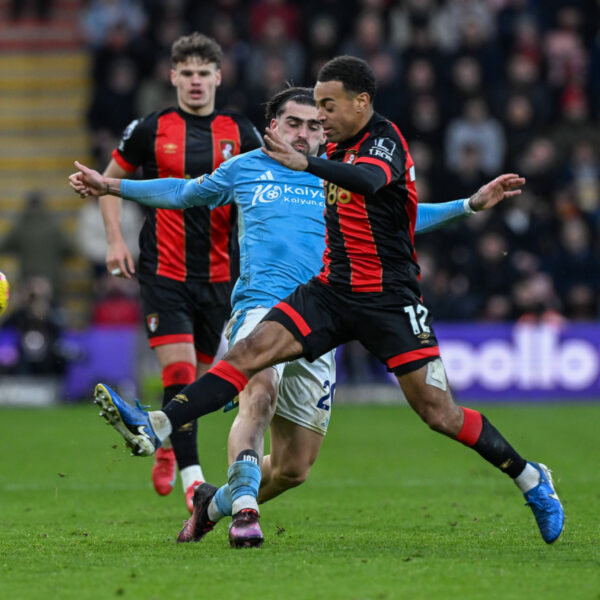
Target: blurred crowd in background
<point x="477" y="88"/>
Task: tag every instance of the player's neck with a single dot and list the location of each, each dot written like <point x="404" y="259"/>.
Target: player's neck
<point x="203" y="111"/>
<point x="365" y="119"/>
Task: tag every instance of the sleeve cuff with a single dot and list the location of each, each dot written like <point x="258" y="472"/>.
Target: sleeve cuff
<point x="467" y="207"/>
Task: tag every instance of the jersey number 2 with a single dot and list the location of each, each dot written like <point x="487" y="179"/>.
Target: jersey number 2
<point x="330" y="390"/>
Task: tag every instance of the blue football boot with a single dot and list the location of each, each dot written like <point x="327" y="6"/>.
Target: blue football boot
<point x="546" y="507"/>
<point x="132" y="422"/>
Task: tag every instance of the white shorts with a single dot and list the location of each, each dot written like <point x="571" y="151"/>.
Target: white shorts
<point x="306" y="389"/>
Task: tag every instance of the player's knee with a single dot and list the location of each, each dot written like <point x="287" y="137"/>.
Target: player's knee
<point x="244" y="354"/>
<point x="442" y="419"/>
<point x="291" y="475"/>
<point x="261" y="403"/>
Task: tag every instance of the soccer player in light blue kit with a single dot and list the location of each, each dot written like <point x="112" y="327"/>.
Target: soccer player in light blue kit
<point x="281" y="234"/>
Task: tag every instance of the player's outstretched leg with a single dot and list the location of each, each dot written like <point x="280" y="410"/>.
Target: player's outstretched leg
<point x="199" y="524"/>
<point x="427" y="392"/>
<point x="533" y="479"/>
<point x="543" y="501"/>
<point x="132" y="422"/>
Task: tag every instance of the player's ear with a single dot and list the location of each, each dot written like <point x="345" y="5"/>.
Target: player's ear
<point x="273" y="125"/>
<point x="218" y="77"/>
<point x="362" y="101"/>
<point x="174" y="77"/>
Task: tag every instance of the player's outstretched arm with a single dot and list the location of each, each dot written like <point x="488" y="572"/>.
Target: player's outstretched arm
<point x="434" y="216"/>
<point x="493" y="192"/>
<point x="168" y="192"/>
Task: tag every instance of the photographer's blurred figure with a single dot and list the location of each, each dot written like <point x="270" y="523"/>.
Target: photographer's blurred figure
<point x="38" y="242"/>
<point x="38" y="330"/>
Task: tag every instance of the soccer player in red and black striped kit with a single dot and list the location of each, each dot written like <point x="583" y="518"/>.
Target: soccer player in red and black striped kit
<point x="184" y="265"/>
<point x="368" y="289"/>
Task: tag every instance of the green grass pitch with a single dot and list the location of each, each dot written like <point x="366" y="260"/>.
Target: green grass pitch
<point x="391" y="510"/>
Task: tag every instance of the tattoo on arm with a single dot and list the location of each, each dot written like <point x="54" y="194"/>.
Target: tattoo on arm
<point x="114" y="190"/>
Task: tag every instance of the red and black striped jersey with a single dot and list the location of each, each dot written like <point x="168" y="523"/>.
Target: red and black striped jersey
<point x="370" y="237"/>
<point x="195" y="243"/>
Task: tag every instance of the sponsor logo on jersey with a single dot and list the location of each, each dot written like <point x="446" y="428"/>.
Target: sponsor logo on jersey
<point x="170" y="148"/>
<point x="152" y="322"/>
<point x="334" y="194"/>
<point x="265" y="193"/>
<point x="227" y="148"/>
<point x="383" y="148"/>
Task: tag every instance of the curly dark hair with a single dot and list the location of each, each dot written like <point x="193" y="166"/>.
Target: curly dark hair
<point x="355" y="74"/>
<point x="196" y="44"/>
<point x="276" y="104"/>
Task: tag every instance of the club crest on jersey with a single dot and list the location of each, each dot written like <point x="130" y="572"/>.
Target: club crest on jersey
<point x="383" y="148"/>
<point x="152" y="322"/>
<point x="350" y="157"/>
<point x="170" y="148"/>
<point x="227" y="148"/>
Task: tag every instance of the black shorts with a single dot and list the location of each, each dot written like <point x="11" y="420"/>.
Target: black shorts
<point x="396" y="328"/>
<point x="189" y="312"/>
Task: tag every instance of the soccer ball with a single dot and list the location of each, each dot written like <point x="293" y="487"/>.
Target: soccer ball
<point x="4" y="292"/>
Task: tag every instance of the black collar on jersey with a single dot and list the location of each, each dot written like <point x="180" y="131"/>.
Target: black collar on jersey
<point x="198" y="118"/>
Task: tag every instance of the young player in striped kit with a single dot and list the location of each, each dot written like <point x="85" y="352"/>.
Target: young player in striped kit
<point x="185" y="257"/>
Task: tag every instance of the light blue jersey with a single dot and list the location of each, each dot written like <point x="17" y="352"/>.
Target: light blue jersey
<point x="280" y="223"/>
<point x="280" y="219"/>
